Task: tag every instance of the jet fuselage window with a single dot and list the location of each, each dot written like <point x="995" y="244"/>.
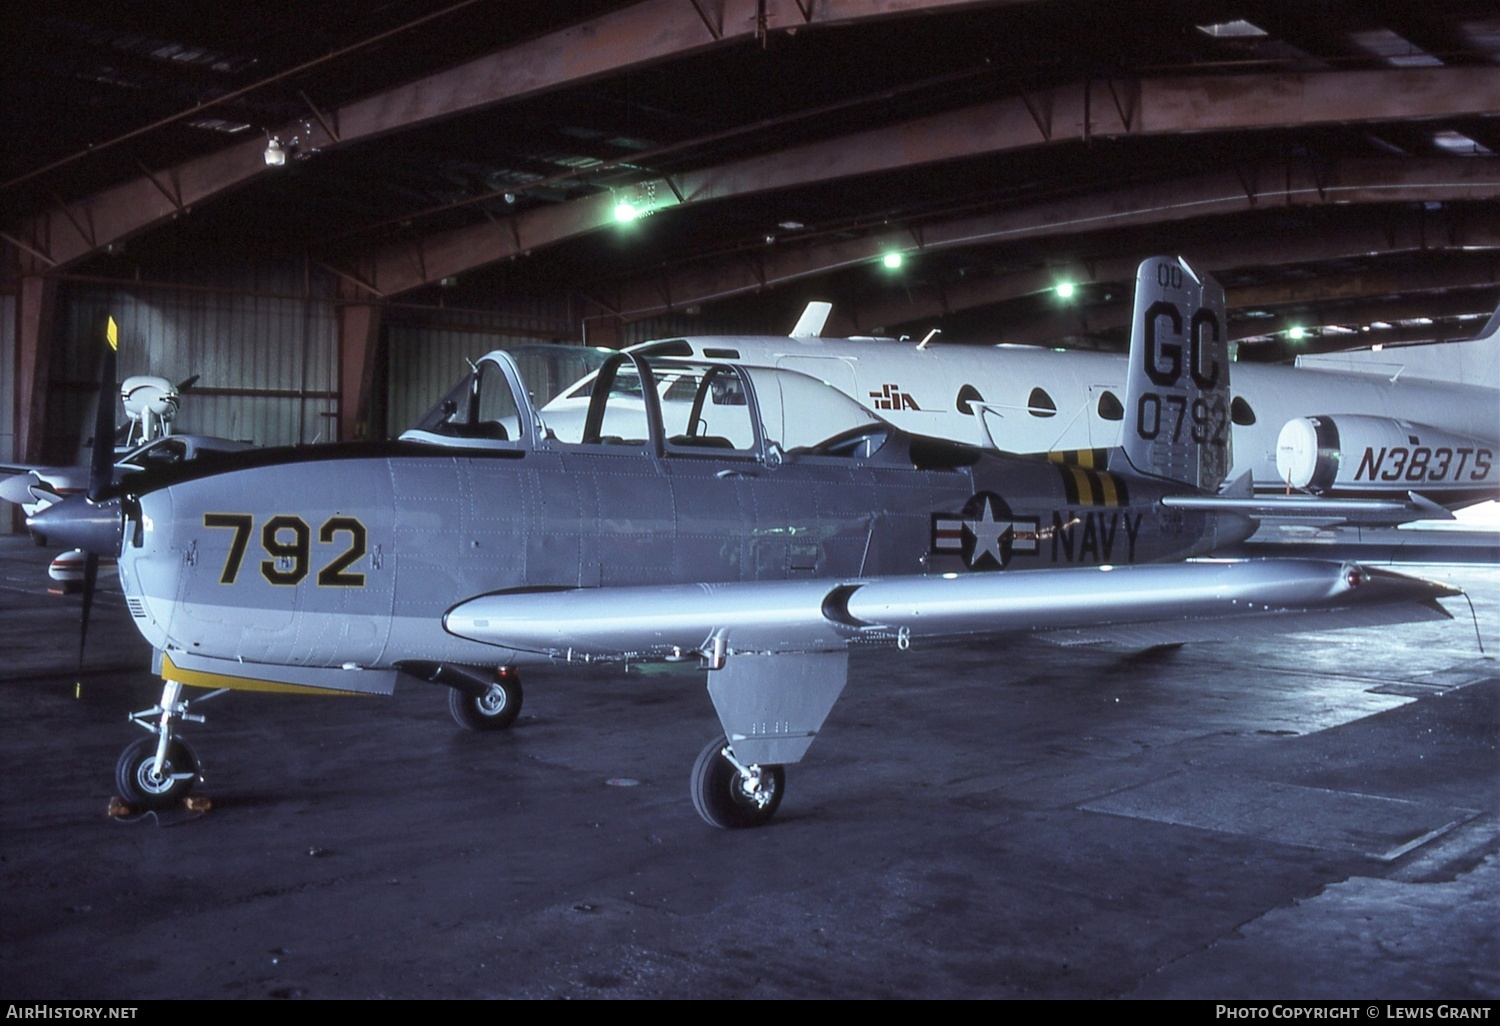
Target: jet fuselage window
<point x="1040" y="404"/>
<point x="671" y="347"/>
<point x="1240" y="412"/>
<point x="1109" y="407"/>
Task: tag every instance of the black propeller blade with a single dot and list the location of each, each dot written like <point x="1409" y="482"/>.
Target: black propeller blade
<point x="101" y="471"/>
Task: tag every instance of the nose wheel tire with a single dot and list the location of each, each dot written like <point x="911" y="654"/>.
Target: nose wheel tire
<point x="726" y="798"/>
<point x="138" y="783"/>
<point x="496" y="709"/>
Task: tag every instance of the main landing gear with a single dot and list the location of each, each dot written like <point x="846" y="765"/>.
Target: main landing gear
<point x="493" y="708"/>
<point x="731" y="795"/>
<point x="158" y="772"/>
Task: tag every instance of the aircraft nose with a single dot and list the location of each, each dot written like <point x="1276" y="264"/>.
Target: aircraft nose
<point x="79" y="523"/>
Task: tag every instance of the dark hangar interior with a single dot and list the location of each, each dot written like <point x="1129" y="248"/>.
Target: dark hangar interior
<point x="458" y="166"/>
<point x="319" y="211"/>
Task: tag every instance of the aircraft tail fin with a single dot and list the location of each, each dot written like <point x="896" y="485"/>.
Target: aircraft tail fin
<point x="1491" y="328"/>
<point x="1177" y="387"/>
<point x="810" y="324"/>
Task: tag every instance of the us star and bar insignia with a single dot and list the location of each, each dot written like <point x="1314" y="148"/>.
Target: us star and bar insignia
<point x="984" y="533"/>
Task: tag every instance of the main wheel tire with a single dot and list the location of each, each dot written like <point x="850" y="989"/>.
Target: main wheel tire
<point x="143" y="789"/>
<point x="720" y="795"/>
<point x="496" y="710"/>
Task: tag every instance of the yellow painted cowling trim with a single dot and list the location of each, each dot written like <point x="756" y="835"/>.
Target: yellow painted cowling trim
<point x="201" y="679"/>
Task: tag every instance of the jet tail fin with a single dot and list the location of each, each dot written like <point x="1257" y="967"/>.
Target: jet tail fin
<point x="1491" y="328"/>
<point x="1177" y="387"/>
<point x="810" y="324"/>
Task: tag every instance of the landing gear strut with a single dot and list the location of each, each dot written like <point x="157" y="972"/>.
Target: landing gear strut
<point x="158" y="772"/>
<point x="731" y="795"/>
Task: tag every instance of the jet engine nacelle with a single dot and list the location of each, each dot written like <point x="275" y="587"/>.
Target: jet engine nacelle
<point x="1355" y="454"/>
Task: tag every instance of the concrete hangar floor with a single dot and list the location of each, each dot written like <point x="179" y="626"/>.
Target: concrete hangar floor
<point x="1318" y="817"/>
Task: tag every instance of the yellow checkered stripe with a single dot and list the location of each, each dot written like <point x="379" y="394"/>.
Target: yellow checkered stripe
<point x="1086" y="486"/>
<point x="1089" y="459"/>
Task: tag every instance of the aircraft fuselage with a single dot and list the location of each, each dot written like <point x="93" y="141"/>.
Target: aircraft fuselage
<point x="355" y="558"/>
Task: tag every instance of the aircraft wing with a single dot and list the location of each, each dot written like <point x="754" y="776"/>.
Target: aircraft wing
<point x="1182" y="601"/>
<point x="780" y="648"/>
<point x="25" y="485"/>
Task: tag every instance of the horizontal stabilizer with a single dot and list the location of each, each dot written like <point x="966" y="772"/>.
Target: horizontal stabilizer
<point x="1370" y="512"/>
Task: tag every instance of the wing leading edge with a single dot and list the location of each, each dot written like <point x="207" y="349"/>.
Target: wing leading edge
<point x="716" y="620"/>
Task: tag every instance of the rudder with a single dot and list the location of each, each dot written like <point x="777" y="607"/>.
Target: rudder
<point x="1177" y="388"/>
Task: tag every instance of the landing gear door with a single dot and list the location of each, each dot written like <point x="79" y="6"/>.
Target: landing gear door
<point x="772" y="705"/>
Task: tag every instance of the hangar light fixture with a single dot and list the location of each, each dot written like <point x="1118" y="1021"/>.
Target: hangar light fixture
<point x="275" y="153"/>
<point x="892" y="260"/>
<point x="1237" y="29"/>
<point x="1065" y="290"/>
<point x="1297" y="332"/>
<point x="625" y="212"/>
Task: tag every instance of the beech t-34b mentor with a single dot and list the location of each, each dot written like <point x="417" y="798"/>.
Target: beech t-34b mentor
<point x="752" y="520"/>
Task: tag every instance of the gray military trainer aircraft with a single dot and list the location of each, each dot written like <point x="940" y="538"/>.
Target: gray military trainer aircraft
<point x="753" y="521"/>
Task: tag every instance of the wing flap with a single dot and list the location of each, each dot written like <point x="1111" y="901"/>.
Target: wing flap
<point x="1266" y="627"/>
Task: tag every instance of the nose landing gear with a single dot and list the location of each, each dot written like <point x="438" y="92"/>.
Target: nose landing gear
<point x="158" y="772"/>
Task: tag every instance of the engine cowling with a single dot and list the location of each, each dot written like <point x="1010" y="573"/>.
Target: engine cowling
<point x="1358" y="455"/>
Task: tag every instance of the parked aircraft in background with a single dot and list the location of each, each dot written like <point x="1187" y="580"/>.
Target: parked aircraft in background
<point x="151" y="405"/>
<point x="40" y="487"/>
<point x="755" y="522"/>
<point x="1325" y="432"/>
<point x="143" y="441"/>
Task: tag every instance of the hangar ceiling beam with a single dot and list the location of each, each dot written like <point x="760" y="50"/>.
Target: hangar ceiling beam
<point x="1458" y="303"/>
<point x="1398" y="232"/>
<point x="1363" y="292"/>
<point x="1076" y="112"/>
<point x="1265" y="187"/>
<point x="641" y="34"/>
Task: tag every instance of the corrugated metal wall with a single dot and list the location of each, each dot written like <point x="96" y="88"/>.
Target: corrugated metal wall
<point x="428" y="349"/>
<point x="7" y="397"/>
<point x="8" y="367"/>
<point x="263" y="341"/>
<point x="263" y="344"/>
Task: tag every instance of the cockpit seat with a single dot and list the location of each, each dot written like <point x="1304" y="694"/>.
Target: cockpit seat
<point x="700" y="442"/>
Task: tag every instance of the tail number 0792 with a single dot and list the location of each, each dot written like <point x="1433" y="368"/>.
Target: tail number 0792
<point x="287" y="541"/>
<point x="1174" y="408"/>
